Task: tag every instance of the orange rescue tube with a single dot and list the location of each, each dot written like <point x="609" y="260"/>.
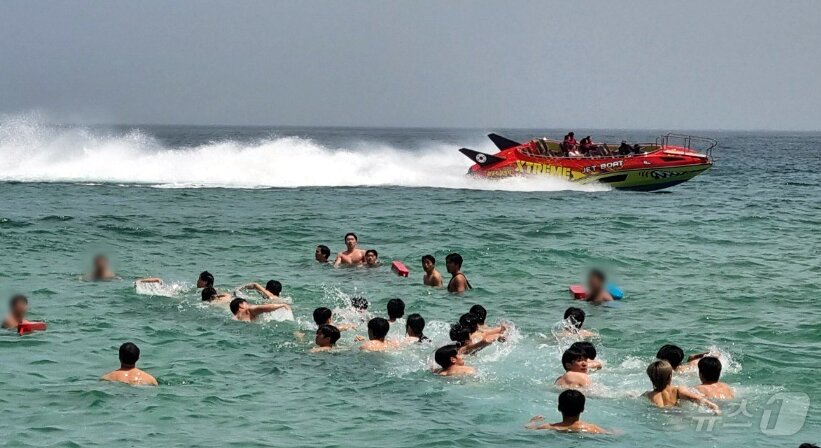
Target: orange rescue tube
<point x="578" y="292"/>
<point x="29" y="327"/>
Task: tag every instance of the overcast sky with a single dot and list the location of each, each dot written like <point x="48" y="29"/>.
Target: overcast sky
<point x="600" y="64"/>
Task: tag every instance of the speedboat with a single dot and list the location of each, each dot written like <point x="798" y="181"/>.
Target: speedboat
<point x="668" y="161"/>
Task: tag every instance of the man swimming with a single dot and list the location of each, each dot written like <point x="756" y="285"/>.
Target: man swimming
<point x="432" y="277"/>
<point x="371" y="258"/>
<point x="18" y="307"/>
<point x="128" y="372"/>
<point x="209" y="294"/>
<point x="396" y="309"/>
<point x="322" y="253"/>
<point x="575" y="317"/>
<point x="481" y="315"/>
<point x="414" y="328"/>
<point x="452" y="362"/>
<point x="589" y="350"/>
<point x="323" y="316"/>
<point x="101" y="271"/>
<point x="245" y="312"/>
<point x="352" y="255"/>
<point x="571" y="405"/>
<point x="205" y="279"/>
<point x="596" y="291"/>
<point x="709" y="372"/>
<point x="664" y="394"/>
<point x="377" y="332"/>
<point x="326" y="337"/>
<point x="675" y="356"/>
<point x="270" y="291"/>
<point x="460" y="334"/>
<point x="458" y="281"/>
<point x="575" y="366"/>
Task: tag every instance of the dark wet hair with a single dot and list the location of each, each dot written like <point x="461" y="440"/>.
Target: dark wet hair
<point x="430" y="258"/>
<point x="207" y="278"/>
<point x="577" y="314"/>
<point x="443" y="355"/>
<point x="672" y="354"/>
<point x="234" y="305"/>
<point x="372" y="251"/>
<point x="808" y="445"/>
<point x="416" y="323"/>
<point x="350" y="234"/>
<point x="585" y="347"/>
<point x="274" y="287"/>
<point x="359" y="302"/>
<point x="598" y="274"/>
<point x="459" y="334"/>
<point x="396" y="308"/>
<point x="208" y="294"/>
<point x="480" y="312"/>
<point x="322" y="315"/>
<point x="571" y="403"/>
<point x="454" y="258"/>
<point x="709" y="368"/>
<point x="469" y="321"/>
<point x="129" y="353"/>
<point x="17" y="298"/>
<point x="378" y="328"/>
<point x="330" y="332"/>
<point x="572" y="355"/>
<point x="324" y="250"/>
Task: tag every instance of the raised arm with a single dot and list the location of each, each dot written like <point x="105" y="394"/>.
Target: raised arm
<point x="149" y="280"/>
<point x="256" y="310"/>
<point x="261" y="290"/>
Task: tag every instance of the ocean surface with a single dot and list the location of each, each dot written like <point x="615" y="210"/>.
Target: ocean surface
<point x="729" y="261"/>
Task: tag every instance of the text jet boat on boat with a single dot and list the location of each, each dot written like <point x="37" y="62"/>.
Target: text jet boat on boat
<point x="650" y="166"/>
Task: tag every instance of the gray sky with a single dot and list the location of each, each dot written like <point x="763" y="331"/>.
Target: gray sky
<point x="600" y="64"/>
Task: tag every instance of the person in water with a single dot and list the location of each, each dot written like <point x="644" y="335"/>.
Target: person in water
<point x="245" y="312"/>
<point x="664" y="394"/>
<point x="209" y="294"/>
<point x="576" y="318"/>
<point x="128" y="372"/>
<point x="571" y="405"/>
<point x="324" y="316"/>
<point x="326" y="337"/>
<point x="589" y="351"/>
<point x="596" y="291"/>
<point x="377" y="333"/>
<point x="458" y="282"/>
<point x="371" y="258"/>
<point x="396" y="309"/>
<point x="575" y="366"/>
<point x="675" y="356"/>
<point x="414" y="329"/>
<point x="432" y="277"/>
<point x="18" y="308"/>
<point x="351" y="255"/>
<point x="271" y="290"/>
<point x="709" y="372"/>
<point x="460" y="334"/>
<point x="481" y="315"/>
<point x="100" y="271"/>
<point x="322" y="254"/>
<point x="452" y="362"/>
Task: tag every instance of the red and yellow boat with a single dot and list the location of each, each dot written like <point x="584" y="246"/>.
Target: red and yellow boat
<point x="668" y="161"/>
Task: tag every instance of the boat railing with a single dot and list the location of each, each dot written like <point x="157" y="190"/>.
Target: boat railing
<point x="691" y="142"/>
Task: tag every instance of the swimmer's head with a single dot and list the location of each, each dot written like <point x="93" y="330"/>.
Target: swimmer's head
<point x="378" y="328"/>
<point x="326" y="335"/>
<point x="480" y="312"/>
<point x="415" y="325"/>
<point x="571" y="403"/>
<point x="396" y="309"/>
<point x="274" y="287"/>
<point x="350" y="240"/>
<point x="236" y="305"/>
<point x="577" y="314"/>
<point x="672" y="354"/>
<point x="709" y="369"/>
<point x="574" y="360"/>
<point x="595" y="280"/>
<point x="208" y="294"/>
<point x="428" y="263"/>
<point x="459" y="334"/>
<point x="469" y="321"/>
<point x="448" y="356"/>
<point x="129" y="354"/>
<point x="18" y="305"/>
<point x="100" y="263"/>
<point x="205" y="279"/>
<point x="322" y="253"/>
<point x="660" y="373"/>
<point x="322" y="315"/>
<point x="453" y="262"/>
<point x="585" y="347"/>
<point x="371" y="257"/>
<point x="359" y="303"/>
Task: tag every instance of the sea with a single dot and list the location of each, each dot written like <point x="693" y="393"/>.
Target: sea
<point x="729" y="262"/>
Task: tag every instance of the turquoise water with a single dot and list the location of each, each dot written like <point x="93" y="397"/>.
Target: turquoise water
<point x="728" y="261"/>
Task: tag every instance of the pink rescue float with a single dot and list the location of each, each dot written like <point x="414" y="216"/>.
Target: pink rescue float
<point x="399" y="268"/>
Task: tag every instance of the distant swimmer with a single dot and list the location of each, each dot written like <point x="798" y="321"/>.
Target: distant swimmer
<point x="571" y="405"/>
<point x="326" y="337"/>
<point x="432" y="277"/>
<point x="322" y="254"/>
<point x="396" y="309"/>
<point x="575" y="316"/>
<point x="209" y="294"/>
<point x="664" y="394"/>
<point x="245" y="312"/>
<point x="18" y="307"/>
<point x="709" y="372"/>
<point x="352" y="255"/>
<point x="458" y="281"/>
<point x="589" y="351"/>
<point x="377" y="333"/>
<point x="371" y="258"/>
<point x="452" y="362"/>
<point x="575" y="366"/>
<point x="324" y="316"/>
<point x="675" y="356"/>
<point x="596" y="291"/>
<point x="414" y="329"/>
<point x="100" y="271"/>
<point x="271" y="290"/>
<point x="128" y="372"/>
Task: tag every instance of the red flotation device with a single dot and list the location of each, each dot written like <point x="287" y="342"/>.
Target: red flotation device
<point x="29" y="327"/>
<point x="399" y="269"/>
<point x="578" y="292"/>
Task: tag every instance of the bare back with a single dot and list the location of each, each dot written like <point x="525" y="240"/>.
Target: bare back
<point x="134" y="377"/>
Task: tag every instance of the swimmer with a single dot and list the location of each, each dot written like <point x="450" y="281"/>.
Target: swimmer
<point x="452" y="362"/>
<point x="571" y="405"/>
<point x="210" y="294"/>
<point x="576" y="316"/>
<point x="575" y="366"/>
<point x="481" y="315"/>
<point x="270" y="291"/>
<point x="244" y="312"/>
<point x="18" y="307"/>
<point x="322" y="253"/>
<point x="101" y="271"/>
<point x="352" y="255"/>
<point x="205" y="279"/>
<point x="596" y="292"/>
<point x="371" y="258"/>
<point x="664" y="394"/>
<point x="323" y="316"/>
<point x="359" y="303"/>
<point x="458" y="281"/>
<point x="414" y="329"/>
<point x="326" y="337"/>
<point x="128" y="372"/>
<point x="675" y="356"/>
<point x="460" y="334"/>
<point x="377" y="332"/>
<point x="396" y="309"/>
<point x="432" y="277"/>
<point x="589" y="350"/>
<point x="709" y="371"/>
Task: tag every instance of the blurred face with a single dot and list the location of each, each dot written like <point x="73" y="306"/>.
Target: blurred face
<point x="594" y="283"/>
<point x="579" y="365"/>
<point x="319" y="256"/>
<point x="427" y="265"/>
<point x="19" y="309"/>
<point x="100" y="263"/>
<point x="370" y="259"/>
<point x="350" y="242"/>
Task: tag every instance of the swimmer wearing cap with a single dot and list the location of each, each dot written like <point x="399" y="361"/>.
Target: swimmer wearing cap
<point x="351" y="255"/>
<point x="128" y="372"/>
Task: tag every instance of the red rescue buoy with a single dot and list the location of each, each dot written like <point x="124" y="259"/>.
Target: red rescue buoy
<point x="28" y="327"/>
<point x="578" y="292"/>
<point x="399" y="268"/>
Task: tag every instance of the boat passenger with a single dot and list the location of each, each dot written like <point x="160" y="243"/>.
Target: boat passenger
<point x="624" y="148"/>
